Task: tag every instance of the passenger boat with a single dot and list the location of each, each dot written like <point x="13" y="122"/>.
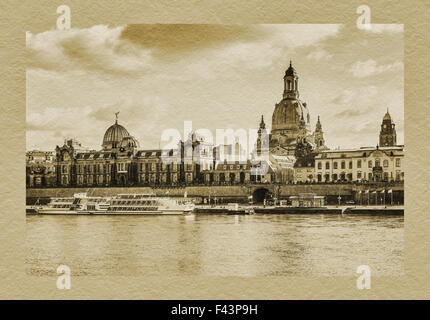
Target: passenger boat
<point x="122" y="204"/>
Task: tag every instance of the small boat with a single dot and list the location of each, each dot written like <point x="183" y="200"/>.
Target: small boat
<point x="231" y="209"/>
<point x="122" y="204"/>
<point x="234" y="208"/>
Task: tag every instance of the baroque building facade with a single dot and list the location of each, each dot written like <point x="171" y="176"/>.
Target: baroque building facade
<point x="40" y="168"/>
<point x="289" y="153"/>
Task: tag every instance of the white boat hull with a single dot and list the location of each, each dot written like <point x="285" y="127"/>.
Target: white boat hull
<point x="111" y="213"/>
<point x="122" y="204"/>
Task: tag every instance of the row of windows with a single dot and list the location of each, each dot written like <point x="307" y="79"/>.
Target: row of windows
<point x="232" y="166"/>
<point x="156" y="166"/>
<point x="360" y="175"/>
<point x="350" y="164"/>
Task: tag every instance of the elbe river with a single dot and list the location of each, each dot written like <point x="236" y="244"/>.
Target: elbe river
<point x="215" y="245"/>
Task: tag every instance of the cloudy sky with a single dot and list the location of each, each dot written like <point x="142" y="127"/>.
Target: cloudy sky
<point x="217" y="76"/>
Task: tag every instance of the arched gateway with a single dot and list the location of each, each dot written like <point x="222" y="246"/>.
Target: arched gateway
<point x="259" y="195"/>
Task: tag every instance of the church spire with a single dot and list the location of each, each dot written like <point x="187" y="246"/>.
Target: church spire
<point x="262" y="124"/>
<point x="318" y="126"/>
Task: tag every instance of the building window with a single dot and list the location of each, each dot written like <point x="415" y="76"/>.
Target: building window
<point x="342" y="165"/>
<point x="377" y="163"/>
<point x="359" y="175"/>
<point x="350" y="164"/>
<point x="358" y="163"/>
<point x="319" y="165"/>
<point x="335" y="165"/>
<point x="335" y="177"/>
<point x="397" y="175"/>
<point x="385" y="163"/>
<point x="370" y="163"/>
<point x="397" y="162"/>
<point x="327" y="165"/>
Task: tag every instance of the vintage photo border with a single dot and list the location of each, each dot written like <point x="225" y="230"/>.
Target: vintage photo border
<point x="37" y="16"/>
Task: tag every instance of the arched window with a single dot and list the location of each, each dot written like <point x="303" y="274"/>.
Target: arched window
<point x="222" y="177"/>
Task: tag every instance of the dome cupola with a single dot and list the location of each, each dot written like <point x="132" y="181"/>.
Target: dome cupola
<point x="114" y="135"/>
<point x="291" y="83"/>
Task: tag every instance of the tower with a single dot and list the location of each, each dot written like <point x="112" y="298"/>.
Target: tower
<point x="387" y="135"/>
<point x="291" y="83"/>
<point x="262" y="139"/>
<point x="319" y="137"/>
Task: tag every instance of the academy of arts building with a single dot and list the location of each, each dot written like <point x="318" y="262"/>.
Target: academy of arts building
<point x="297" y="155"/>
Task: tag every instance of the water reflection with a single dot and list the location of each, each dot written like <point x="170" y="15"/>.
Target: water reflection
<point x="215" y="245"/>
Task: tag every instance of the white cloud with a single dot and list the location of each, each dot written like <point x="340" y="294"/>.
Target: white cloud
<point x="98" y="48"/>
<point x="297" y="35"/>
<point x="362" y="69"/>
<point x="319" y="54"/>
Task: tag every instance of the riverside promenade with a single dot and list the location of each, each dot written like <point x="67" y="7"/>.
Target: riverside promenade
<point x="238" y="193"/>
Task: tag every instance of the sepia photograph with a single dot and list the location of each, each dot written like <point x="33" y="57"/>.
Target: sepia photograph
<point x="215" y="150"/>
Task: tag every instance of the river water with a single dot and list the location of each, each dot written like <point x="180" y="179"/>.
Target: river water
<point x="215" y="245"/>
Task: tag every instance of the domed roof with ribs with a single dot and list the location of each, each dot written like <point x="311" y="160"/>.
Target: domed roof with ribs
<point x="289" y="113"/>
<point x="114" y="135"/>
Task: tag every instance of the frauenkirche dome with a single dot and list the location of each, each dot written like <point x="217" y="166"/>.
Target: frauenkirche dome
<point x="291" y="118"/>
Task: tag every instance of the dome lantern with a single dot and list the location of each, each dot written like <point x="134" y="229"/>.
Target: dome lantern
<point x="291" y="83"/>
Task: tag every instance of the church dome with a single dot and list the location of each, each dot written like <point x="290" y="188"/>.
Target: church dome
<point x="114" y="135"/>
<point x="289" y="113"/>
